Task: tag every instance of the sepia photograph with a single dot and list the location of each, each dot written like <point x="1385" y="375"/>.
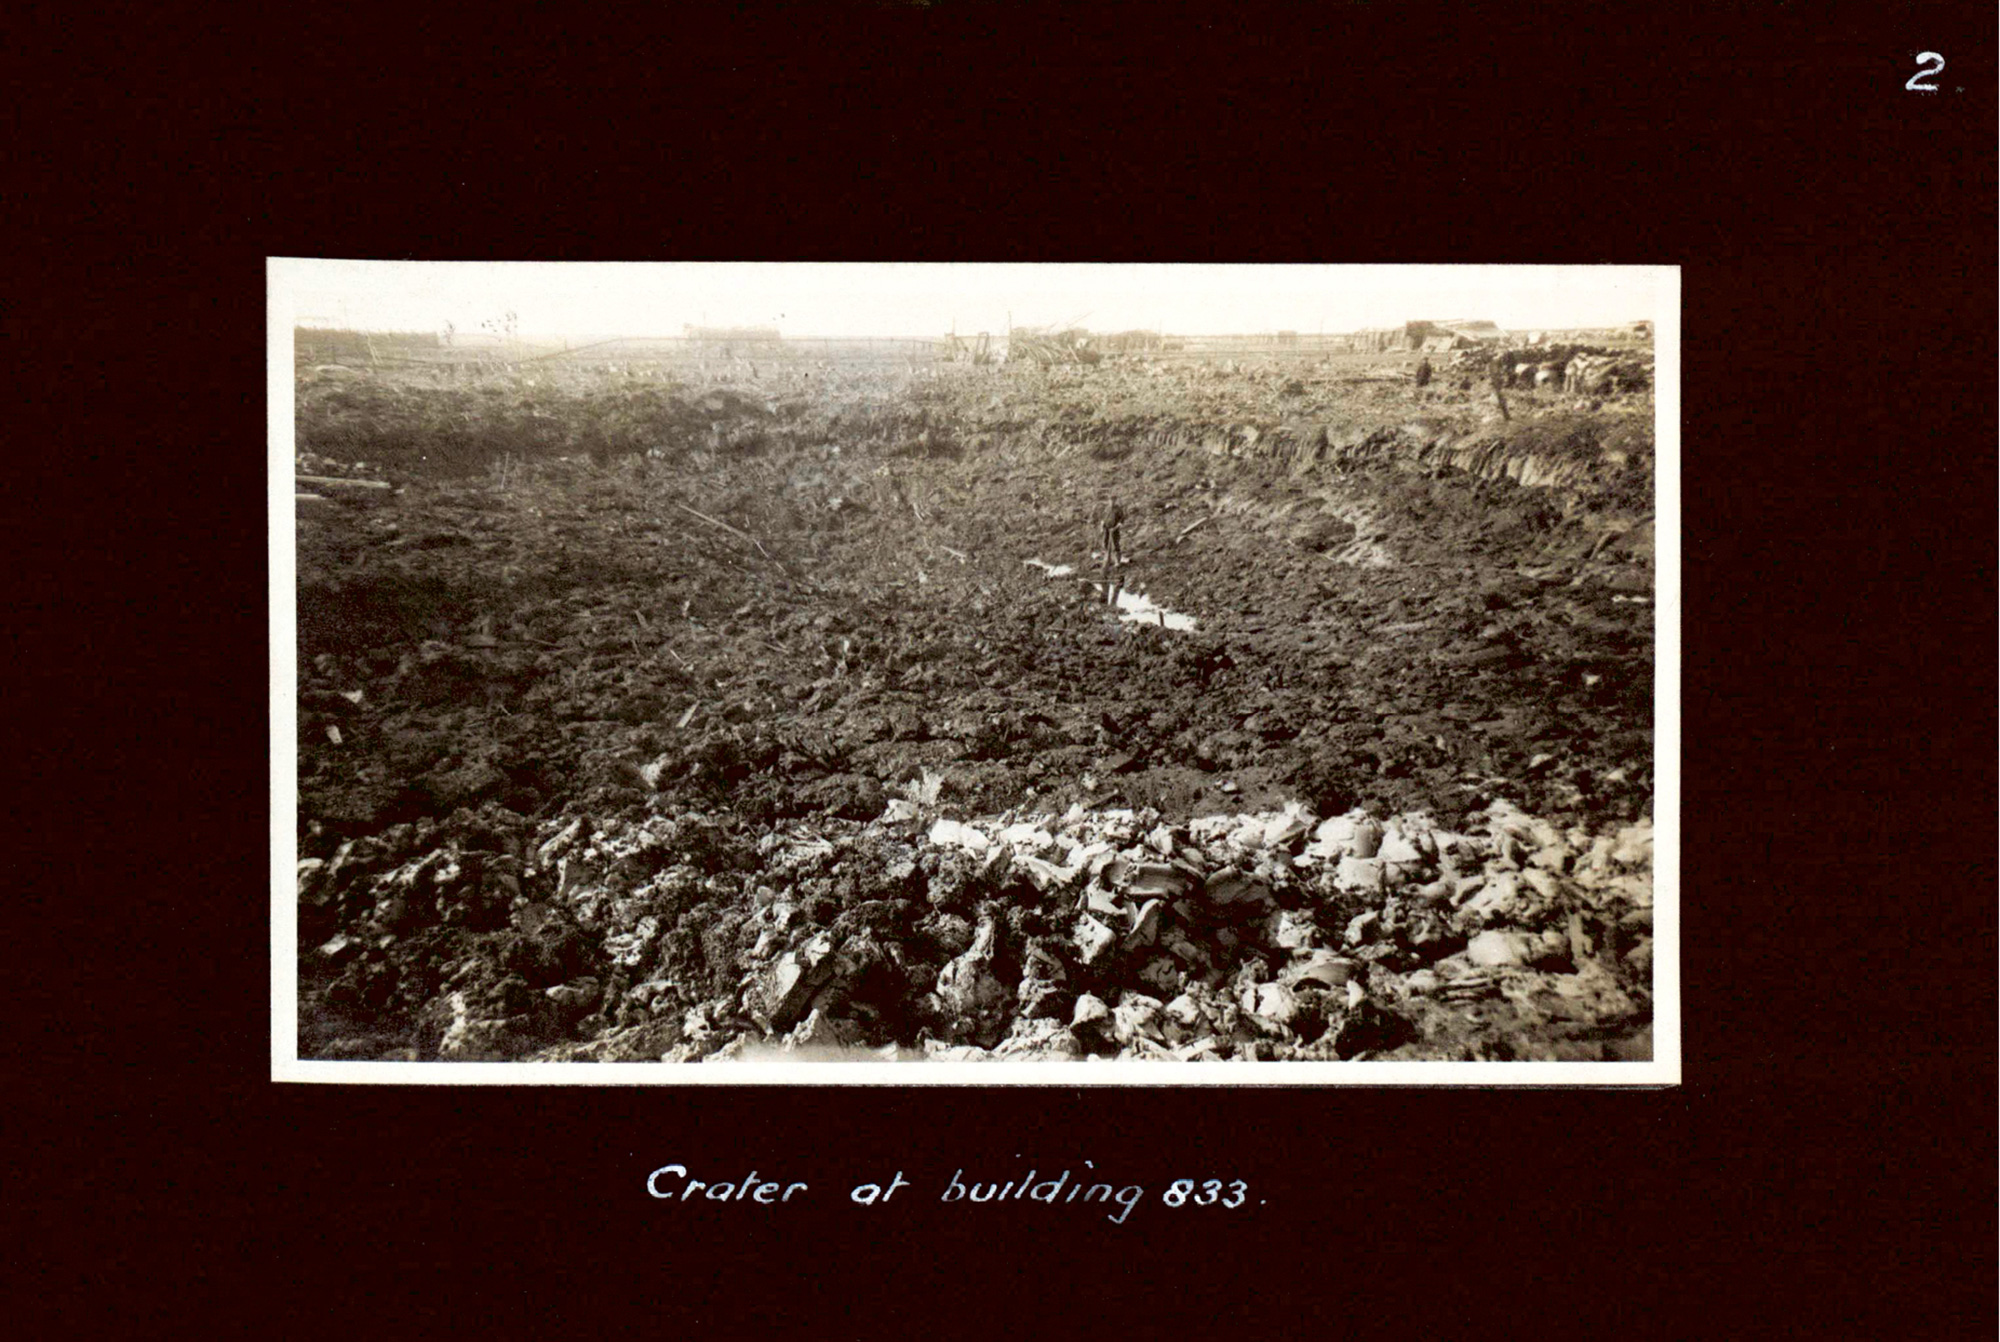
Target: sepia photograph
<point x="974" y="674"/>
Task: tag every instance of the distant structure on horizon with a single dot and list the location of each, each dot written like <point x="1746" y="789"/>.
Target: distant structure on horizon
<point x="1431" y="336"/>
<point x="1480" y="330"/>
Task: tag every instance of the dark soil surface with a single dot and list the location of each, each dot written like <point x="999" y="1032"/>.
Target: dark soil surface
<point x="628" y="717"/>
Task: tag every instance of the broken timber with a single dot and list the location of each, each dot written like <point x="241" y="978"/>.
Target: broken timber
<point x="1190" y="529"/>
<point x="335" y="482"/>
<point x="726" y="527"/>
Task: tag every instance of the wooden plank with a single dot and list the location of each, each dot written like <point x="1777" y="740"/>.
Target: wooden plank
<point x="335" y="482"/>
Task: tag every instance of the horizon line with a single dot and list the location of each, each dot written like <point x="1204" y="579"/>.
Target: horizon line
<point x="599" y="336"/>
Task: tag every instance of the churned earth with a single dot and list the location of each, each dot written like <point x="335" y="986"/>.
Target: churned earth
<point x="641" y="720"/>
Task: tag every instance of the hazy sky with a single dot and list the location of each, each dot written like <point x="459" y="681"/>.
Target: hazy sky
<point x="804" y="299"/>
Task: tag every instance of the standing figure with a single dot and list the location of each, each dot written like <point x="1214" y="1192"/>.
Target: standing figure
<point x="1424" y="372"/>
<point x="1498" y="373"/>
<point x="1110" y="535"/>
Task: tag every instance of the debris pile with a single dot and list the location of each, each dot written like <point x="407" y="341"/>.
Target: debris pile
<point x="1066" y="346"/>
<point x="1092" y="934"/>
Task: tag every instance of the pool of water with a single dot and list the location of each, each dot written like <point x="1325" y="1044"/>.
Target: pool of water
<point x="1138" y="608"/>
<point x="1133" y="607"/>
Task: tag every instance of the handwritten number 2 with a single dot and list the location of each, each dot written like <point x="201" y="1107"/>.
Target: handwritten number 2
<point x="1923" y="56"/>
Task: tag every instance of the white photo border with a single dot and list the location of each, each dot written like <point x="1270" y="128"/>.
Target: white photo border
<point x="286" y="276"/>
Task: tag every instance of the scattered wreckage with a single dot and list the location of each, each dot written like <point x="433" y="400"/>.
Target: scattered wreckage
<point x="1093" y="934"/>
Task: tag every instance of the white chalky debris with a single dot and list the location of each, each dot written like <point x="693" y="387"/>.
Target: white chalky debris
<point x="951" y="833"/>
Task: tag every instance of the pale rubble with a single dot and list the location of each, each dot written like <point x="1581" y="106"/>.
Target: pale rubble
<point x="1273" y="1004"/>
<point x="1137" y="1016"/>
<point x="819" y="1033"/>
<point x="1322" y="967"/>
<point x="968" y="984"/>
<point x="1161" y="974"/>
<point x="1094" y="939"/>
<point x="779" y="997"/>
<point x="951" y="833"/>
<point x="628" y="949"/>
<point x="1494" y="947"/>
<point x="1316" y="931"/>
<point x="1360" y="875"/>
<point x="1040" y="1039"/>
<point x="468" y="1037"/>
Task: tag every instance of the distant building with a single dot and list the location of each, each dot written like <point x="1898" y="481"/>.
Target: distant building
<point x="1479" y="332"/>
<point x="1432" y="337"/>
